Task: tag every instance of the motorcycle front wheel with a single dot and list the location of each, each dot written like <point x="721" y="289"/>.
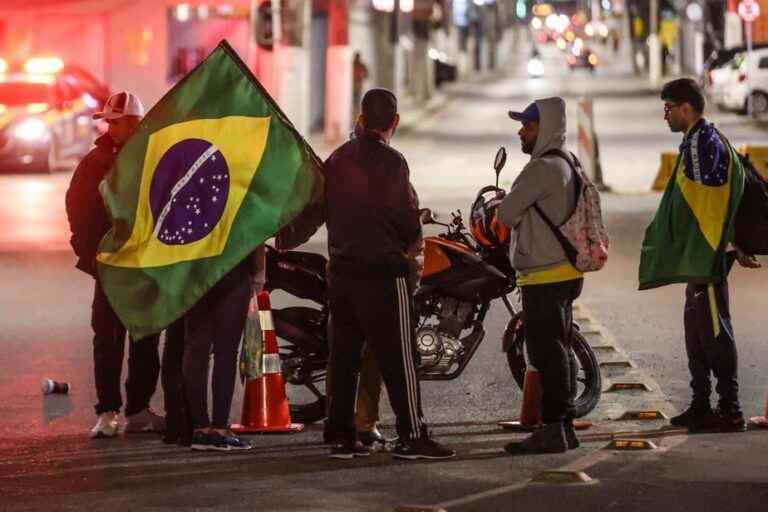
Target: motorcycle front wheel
<point x="588" y="380"/>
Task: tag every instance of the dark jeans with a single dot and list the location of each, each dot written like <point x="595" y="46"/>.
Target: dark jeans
<point x="171" y="377"/>
<point x="379" y="312"/>
<point x="710" y="343"/>
<point x="108" y="351"/>
<point x="548" y="320"/>
<point x="215" y="324"/>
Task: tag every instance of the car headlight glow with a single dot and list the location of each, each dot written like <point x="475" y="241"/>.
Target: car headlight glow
<point x="30" y="129"/>
<point x="535" y="67"/>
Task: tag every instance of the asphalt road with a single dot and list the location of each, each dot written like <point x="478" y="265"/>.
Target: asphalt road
<point x="46" y="458"/>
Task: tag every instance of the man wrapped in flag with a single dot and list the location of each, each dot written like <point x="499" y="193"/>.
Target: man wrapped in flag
<point x="686" y="243"/>
<point x="212" y="172"/>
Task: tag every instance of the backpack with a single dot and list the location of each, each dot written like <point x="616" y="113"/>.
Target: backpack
<point x="751" y="230"/>
<point x="583" y="235"/>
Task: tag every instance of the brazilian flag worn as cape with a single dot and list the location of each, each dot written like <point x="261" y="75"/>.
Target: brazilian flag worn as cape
<point x="686" y="241"/>
<point x="213" y="170"/>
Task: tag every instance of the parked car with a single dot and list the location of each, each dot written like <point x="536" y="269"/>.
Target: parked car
<point x="581" y="57"/>
<point x="721" y="57"/>
<point x="742" y="87"/>
<point x="45" y="114"/>
<point x="719" y="78"/>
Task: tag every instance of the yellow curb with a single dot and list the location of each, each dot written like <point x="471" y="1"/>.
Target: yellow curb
<point x="616" y="364"/>
<point x="667" y="165"/>
<point x="642" y="415"/>
<point x="759" y="157"/>
<point x="627" y="386"/>
<point x="557" y="476"/>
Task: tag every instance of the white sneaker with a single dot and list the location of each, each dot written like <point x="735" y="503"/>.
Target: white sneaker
<point x="145" y="421"/>
<point x="106" y="426"/>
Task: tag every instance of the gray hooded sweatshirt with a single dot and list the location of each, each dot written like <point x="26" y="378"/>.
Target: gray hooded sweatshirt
<point x="548" y="182"/>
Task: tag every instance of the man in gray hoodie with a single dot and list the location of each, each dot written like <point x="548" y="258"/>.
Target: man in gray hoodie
<point x="548" y="281"/>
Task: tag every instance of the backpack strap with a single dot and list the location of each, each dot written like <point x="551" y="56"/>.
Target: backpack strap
<point x="576" y="185"/>
<point x="570" y="251"/>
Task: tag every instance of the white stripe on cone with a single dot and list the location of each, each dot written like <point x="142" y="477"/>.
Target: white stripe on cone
<point x="265" y="320"/>
<point x="271" y="364"/>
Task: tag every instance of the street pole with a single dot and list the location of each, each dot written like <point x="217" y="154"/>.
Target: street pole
<point x="748" y="74"/>
<point x="732" y="37"/>
<point x="394" y="34"/>
<point x="397" y="63"/>
<point x="654" y="46"/>
<point x="339" y="73"/>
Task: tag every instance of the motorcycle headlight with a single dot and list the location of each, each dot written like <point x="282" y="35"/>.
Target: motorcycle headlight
<point x="30" y="130"/>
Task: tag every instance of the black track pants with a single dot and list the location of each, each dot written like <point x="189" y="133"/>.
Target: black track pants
<point x="379" y="311"/>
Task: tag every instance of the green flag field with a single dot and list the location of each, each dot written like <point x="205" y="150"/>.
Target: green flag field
<point x="213" y="170"/>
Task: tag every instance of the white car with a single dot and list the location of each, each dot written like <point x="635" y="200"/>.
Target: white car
<point x="740" y="87"/>
<point x="718" y="79"/>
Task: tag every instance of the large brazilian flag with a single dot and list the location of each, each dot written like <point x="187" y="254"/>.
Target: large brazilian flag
<point x="213" y="170"/>
<point x="686" y="241"/>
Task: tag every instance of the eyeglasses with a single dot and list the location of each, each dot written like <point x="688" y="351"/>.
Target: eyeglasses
<point x="669" y="106"/>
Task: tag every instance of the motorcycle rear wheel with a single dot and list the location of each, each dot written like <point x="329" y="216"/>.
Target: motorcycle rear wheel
<point x="303" y="360"/>
<point x="588" y="379"/>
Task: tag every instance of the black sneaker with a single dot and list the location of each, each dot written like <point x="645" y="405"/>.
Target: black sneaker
<point x="570" y="435"/>
<point x="201" y="441"/>
<point x="371" y="436"/>
<point x="346" y="451"/>
<point x="413" y="449"/>
<point x="185" y="440"/>
<point x="550" y="438"/>
<point x="227" y="442"/>
<point x="697" y="419"/>
<point x="731" y="420"/>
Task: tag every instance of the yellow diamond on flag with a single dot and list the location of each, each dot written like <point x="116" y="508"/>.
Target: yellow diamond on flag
<point x="194" y="179"/>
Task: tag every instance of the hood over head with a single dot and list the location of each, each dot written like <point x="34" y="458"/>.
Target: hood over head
<point x="551" y="125"/>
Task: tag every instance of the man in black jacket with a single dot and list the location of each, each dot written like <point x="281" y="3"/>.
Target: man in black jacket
<point x="89" y="222"/>
<point x="372" y="217"/>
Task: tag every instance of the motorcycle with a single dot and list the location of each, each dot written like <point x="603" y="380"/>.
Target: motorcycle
<point x="461" y="278"/>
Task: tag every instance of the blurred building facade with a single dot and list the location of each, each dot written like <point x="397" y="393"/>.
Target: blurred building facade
<point x="691" y="30"/>
<point x="301" y="50"/>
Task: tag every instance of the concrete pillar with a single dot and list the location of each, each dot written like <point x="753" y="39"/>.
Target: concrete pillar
<point x="733" y="28"/>
<point x="698" y="48"/>
<point x="420" y="77"/>
<point x="338" y="74"/>
<point x="654" y="47"/>
<point x="398" y="52"/>
<point x="385" y="67"/>
<point x="292" y="66"/>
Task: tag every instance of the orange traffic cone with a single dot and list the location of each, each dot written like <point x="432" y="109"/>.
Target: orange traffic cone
<point x="265" y="406"/>
<point x="761" y="421"/>
<point x="530" y="411"/>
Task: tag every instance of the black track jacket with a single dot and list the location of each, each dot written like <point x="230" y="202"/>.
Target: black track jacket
<point x="88" y="217"/>
<point x="371" y="209"/>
